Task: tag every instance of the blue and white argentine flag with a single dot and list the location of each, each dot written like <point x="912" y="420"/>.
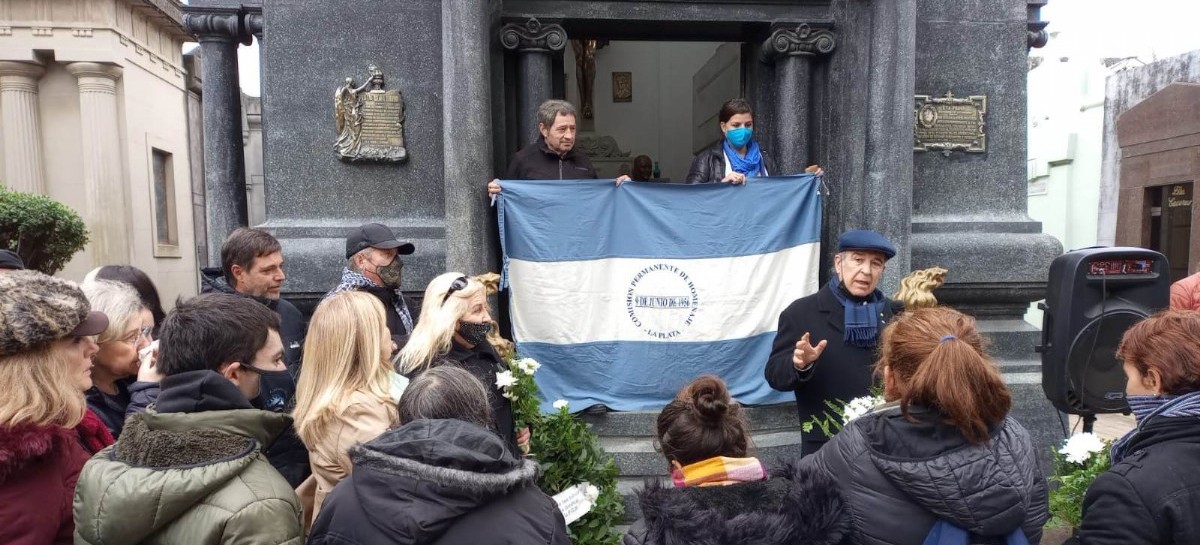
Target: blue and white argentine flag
<point x="625" y="294"/>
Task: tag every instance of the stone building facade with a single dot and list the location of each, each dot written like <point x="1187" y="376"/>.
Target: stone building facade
<point x="94" y="114"/>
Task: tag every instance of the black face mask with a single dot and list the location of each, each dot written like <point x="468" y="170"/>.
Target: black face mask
<point x="276" y="390"/>
<point x="474" y="333"/>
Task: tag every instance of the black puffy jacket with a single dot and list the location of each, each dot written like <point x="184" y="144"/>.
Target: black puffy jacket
<point x="708" y="166"/>
<point x="438" y="482"/>
<point x="1153" y="495"/>
<point x="900" y="477"/>
<point x="794" y="507"/>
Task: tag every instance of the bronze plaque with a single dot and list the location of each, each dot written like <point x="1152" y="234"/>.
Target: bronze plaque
<point x="950" y="123"/>
<point x="622" y="86"/>
<point x="370" y="121"/>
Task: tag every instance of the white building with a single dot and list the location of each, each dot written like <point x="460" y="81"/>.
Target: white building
<point x="93" y="100"/>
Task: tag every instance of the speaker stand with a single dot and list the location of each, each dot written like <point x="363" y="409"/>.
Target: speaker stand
<point x="1089" y="421"/>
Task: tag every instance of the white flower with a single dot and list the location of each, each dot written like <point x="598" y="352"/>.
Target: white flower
<point x="1081" y="446"/>
<point x="858" y="407"/>
<point x="505" y="380"/>
<point x="561" y="404"/>
<point x="509" y="396"/>
<point x="591" y="493"/>
<point x="529" y="366"/>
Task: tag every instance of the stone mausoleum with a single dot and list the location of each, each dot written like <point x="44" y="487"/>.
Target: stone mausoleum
<point x="916" y="109"/>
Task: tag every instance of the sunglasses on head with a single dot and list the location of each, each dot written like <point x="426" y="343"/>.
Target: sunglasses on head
<point x="458" y="284"/>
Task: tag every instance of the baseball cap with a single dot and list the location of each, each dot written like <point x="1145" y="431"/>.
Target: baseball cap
<point x="375" y="235"/>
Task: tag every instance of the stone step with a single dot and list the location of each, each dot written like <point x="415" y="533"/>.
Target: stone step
<point x="637" y="456"/>
<point x="643" y="423"/>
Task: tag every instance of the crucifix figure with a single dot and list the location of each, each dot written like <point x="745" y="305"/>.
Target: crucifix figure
<point x="585" y="71"/>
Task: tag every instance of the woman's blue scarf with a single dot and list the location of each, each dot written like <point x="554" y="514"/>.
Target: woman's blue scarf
<point x="1146" y="407"/>
<point x="750" y="165"/>
<point x="862" y="317"/>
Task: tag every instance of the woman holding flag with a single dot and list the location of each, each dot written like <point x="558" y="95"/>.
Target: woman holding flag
<point x="737" y="155"/>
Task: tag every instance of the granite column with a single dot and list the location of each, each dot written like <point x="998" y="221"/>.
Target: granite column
<point x="103" y="175"/>
<point x="219" y="33"/>
<point x="534" y="42"/>
<point x="793" y="51"/>
<point x="22" y="129"/>
<point x="468" y="132"/>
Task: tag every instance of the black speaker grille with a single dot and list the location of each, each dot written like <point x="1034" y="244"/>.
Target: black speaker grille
<point x="1096" y="376"/>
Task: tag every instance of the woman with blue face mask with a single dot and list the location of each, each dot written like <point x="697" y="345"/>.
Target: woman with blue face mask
<point x="1152" y="492"/>
<point x="737" y="155"/>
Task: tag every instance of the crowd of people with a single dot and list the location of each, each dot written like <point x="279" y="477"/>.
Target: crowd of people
<point x="232" y="419"/>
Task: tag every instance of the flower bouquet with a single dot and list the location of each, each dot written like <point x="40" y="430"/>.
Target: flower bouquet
<point x="841" y="413"/>
<point x="1081" y="459"/>
<point x="569" y="453"/>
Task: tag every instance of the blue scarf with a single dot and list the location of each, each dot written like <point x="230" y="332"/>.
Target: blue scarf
<point x="862" y="317"/>
<point x="750" y="165"/>
<point x="1146" y="407"/>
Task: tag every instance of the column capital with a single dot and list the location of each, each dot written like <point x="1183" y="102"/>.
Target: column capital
<point x="216" y="25"/>
<point x="532" y="35"/>
<point x="253" y="23"/>
<point x="21" y="69"/>
<point x="802" y="40"/>
<point x="95" y="70"/>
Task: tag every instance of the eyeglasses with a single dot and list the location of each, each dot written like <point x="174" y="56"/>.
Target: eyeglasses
<point x="458" y="284"/>
<point x="143" y="333"/>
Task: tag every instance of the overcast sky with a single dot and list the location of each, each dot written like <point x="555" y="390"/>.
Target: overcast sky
<point x="1148" y="29"/>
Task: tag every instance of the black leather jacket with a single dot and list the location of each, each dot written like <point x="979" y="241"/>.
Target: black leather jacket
<point x="709" y="165"/>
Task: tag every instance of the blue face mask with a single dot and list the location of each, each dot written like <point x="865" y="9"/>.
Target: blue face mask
<point x="739" y="137"/>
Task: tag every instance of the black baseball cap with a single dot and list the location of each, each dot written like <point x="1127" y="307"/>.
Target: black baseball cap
<point x="10" y="260"/>
<point x="375" y="235"/>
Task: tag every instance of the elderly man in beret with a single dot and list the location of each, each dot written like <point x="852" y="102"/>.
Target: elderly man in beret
<point x="824" y="348"/>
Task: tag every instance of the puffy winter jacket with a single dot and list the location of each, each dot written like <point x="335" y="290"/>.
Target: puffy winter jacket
<point x="189" y="477"/>
<point x="39" y="466"/>
<point x="794" y="507"/>
<point x="439" y="482"/>
<point x="900" y="477"/>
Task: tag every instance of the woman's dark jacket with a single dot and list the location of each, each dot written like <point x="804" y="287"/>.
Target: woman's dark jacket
<point x="1153" y="494"/>
<point x="795" y="507"/>
<point x="438" y="482"/>
<point x="899" y="478"/>
<point x="843" y="372"/>
<point x="132" y="397"/>
<point x="483" y="362"/>
<point x="708" y="166"/>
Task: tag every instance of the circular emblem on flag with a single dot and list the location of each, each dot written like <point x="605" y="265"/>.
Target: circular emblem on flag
<point x="662" y="301"/>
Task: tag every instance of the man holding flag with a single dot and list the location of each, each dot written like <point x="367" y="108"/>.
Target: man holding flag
<point x="824" y="348"/>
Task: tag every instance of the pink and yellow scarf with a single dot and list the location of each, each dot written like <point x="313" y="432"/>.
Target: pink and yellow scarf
<point x="718" y="471"/>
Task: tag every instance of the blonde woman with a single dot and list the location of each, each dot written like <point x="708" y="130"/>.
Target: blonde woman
<point x="453" y="327"/>
<point x="46" y="430"/>
<point x="347" y="393"/>
<point x="114" y="393"/>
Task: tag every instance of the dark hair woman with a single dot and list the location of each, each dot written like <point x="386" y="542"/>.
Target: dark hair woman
<point x="737" y="155"/>
<point x="721" y="494"/>
<point x="942" y="458"/>
<point x="441" y="478"/>
<point x="1152" y="492"/>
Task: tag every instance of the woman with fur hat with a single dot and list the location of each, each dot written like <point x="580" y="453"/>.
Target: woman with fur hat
<point x="721" y="494"/>
<point x="46" y="430"/>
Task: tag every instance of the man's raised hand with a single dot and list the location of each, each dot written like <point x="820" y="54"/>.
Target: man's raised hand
<point x="805" y="353"/>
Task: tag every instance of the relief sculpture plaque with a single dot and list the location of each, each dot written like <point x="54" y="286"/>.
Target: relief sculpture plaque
<point x="950" y="123"/>
<point x="369" y="120"/>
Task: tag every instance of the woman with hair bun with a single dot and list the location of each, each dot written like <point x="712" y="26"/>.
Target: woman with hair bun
<point x="942" y="459"/>
<point x="721" y="494"/>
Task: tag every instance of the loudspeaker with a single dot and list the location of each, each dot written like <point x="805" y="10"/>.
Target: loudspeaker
<point x="1094" y="295"/>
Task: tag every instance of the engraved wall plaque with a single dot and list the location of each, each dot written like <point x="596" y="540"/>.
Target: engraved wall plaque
<point x="950" y="123"/>
<point x="370" y="121"/>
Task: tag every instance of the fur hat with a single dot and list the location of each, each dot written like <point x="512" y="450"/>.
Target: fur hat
<point x="36" y="308"/>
